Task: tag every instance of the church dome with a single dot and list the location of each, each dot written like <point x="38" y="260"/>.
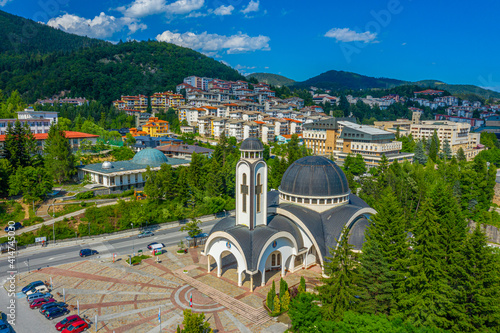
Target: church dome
<point x="251" y="144"/>
<point x="314" y="176"/>
<point x="149" y="156"/>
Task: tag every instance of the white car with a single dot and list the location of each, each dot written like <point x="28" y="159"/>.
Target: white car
<point x="145" y="234"/>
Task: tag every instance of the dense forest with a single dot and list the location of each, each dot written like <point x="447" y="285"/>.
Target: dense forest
<point x="336" y="80"/>
<point x="38" y="67"/>
<point x="20" y="35"/>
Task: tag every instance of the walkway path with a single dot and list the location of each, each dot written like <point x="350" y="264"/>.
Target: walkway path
<point x="257" y="316"/>
<point x="60" y="218"/>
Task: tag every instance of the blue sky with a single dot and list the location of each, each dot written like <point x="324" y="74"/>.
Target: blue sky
<point x="452" y="41"/>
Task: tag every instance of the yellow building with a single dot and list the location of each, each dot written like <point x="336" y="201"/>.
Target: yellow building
<point x="155" y="127"/>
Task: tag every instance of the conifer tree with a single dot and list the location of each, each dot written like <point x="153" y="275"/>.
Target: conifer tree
<point x="427" y="301"/>
<point x="59" y="159"/>
<point x="339" y="290"/>
<point x="420" y="156"/>
<point x="384" y="257"/>
<point x="446" y="149"/>
<point x="283" y="287"/>
<point x="480" y="284"/>
<point x="285" y="301"/>
<point x="461" y="155"/>
<point x="270" y="297"/>
<point x="276" y="306"/>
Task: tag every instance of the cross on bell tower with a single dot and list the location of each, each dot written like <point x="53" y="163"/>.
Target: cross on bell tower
<point x="251" y="185"/>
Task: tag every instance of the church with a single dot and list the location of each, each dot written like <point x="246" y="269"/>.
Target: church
<point x="291" y="228"/>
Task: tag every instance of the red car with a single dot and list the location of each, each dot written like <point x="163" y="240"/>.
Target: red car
<point x="76" y="327"/>
<point x="67" y="321"/>
<point x="40" y="301"/>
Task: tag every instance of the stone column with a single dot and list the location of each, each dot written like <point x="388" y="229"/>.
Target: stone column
<point x="208" y="264"/>
<point x="292" y="263"/>
<point x="239" y="279"/>
<point x="251" y="283"/>
<point x="263" y="282"/>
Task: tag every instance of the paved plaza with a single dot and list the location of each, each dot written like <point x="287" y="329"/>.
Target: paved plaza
<point x="126" y="299"/>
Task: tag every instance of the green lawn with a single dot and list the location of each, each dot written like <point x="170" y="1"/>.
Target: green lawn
<point x="138" y="259"/>
<point x="11" y="211"/>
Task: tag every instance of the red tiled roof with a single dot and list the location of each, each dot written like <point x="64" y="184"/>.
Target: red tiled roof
<point x="68" y="134"/>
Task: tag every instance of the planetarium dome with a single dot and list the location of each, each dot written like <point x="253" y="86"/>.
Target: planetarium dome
<point x="149" y="156"/>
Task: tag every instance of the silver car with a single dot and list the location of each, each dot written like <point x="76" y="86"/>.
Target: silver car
<point x="146" y="234"/>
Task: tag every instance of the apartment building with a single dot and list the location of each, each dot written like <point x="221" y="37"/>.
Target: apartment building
<point x="340" y="137"/>
<point x="459" y="135"/>
<point x="38" y="121"/>
<point x="155" y="127"/>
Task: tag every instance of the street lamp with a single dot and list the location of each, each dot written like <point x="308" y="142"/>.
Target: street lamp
<point x="53" y="224"/>
<point x="133" y="241"/>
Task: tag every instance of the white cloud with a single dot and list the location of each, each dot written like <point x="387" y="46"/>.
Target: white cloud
<point x="4" y="2"/>
<point x="348" y="35"/>
<point x="253" y="6"/>
<point x="99" y="27"/>
<point x="224" y="10"/>
<point x="209" y="43"/>
<point x="142" y="8"/>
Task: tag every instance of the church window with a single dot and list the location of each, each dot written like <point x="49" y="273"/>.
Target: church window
<point x="335" y="200"/>
<point x="322" y="201"/>
<point x="314" y="201"/>
<point x="329" y="201"/>
<point x="299" y="200"/>
<point x="293" y="199"/>
<point x="258" y="192"/>
<point x="244" y="193"/>
<point x="306" y="201"/>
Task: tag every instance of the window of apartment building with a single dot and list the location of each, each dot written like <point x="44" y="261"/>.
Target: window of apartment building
<point x="121" y="179"/>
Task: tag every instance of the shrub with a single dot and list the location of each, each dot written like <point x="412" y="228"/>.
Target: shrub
<point x="302" y="285"/>
<point x="270" y="297"/>
<point x="277" y="306"/>
<point x="285" y="301"/>
<point x="85" y="195"/>
<point x="283" y="288"/>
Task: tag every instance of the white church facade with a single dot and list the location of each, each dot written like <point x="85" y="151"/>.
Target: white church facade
<point x="289" y="229"/>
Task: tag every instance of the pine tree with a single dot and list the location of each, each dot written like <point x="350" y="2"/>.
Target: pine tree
<point x="384" y="257"/>
<point x="481" y="284"/>
<point x="461" y="155"/>
<point x="195" y="323"/>
<point x="20" y="145"/>
<point x="338" y="292"/>
<point x="447" y="149"/>
<point x="59" y="160"/>
<point x="302" y="284"/>
<point x="427" y="301"/>
<point x="420" y="156"/>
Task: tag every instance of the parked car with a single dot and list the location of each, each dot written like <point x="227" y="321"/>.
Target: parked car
<point x="4" y="327"/>
<point x="13" y="227"/>
<point x="150" y="246"/>
<point x="67" y="321"/>
<point x="48" y="306"/>
<point x="40" y="289"/>
<point x="146" y="234"/>
<point x="31" y="286"/>
<point x="76" y="327"/>
<point x="56" y="312"/>
<point x="33" y="297"/>
<point x="87" y="252"/>
<point x="39" y="302"/>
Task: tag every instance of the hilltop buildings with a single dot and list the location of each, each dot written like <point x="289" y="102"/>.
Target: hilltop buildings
<point x="159" y="101"/>
<point x="339" y="137"/>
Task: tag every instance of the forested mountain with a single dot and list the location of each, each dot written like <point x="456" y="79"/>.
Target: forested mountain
<point x="461" y="90"/>
<point x="21" y="35"/>
<point x="272" y="79"/>
<point x="340" y="80"/>
<point x="53" y="61"/>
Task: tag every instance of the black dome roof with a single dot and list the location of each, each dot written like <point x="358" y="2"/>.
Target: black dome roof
<point x="314" y="176"/>
<point x="251" y="144"/>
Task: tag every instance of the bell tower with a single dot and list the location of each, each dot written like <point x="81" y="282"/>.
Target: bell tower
<point x="251" y="185"/>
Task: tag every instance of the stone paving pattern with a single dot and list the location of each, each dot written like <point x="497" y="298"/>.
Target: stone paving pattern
<point x="126" y="299"/>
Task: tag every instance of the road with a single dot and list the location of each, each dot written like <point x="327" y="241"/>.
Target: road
<point x="31" y="321"/>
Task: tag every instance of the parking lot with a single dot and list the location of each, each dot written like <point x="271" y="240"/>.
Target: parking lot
<point x="27" y="320"/>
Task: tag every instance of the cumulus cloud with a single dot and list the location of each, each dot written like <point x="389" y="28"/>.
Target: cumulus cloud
<point x="142" y="8"/>
<point x="210" y="43"/>
<point x="253" y="6"/>
<point x="348" y="35"/>
<point x="4" y="2"/>
<point x="99" y="27"/>
<point x="224" y="10"/>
